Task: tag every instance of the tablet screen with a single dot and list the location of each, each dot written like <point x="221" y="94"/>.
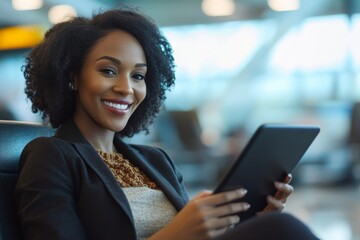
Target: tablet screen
<point x="272" y="152"/>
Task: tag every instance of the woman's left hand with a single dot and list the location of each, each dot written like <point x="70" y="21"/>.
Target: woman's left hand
<point x="277" y="202"/>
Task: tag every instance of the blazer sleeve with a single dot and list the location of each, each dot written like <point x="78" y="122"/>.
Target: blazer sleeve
<point x="45" y="194"/>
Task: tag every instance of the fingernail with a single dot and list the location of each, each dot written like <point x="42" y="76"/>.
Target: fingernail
<point x="235" y="219"/>
<point x="242" y="191"/>
<point x="246" y="206"/>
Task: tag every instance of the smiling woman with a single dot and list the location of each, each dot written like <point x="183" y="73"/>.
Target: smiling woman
<point x="97" y="80"/>
<point x="110" y="87"/>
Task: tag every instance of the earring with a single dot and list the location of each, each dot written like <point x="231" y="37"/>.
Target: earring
<point x="72" y="86"/>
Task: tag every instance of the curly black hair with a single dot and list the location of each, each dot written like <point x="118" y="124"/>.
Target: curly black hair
<point x="50" y="66"/>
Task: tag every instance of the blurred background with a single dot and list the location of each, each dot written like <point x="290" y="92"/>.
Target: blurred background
<point x="240" y="63"/>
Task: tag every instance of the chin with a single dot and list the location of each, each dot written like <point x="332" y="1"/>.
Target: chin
<point x="117" y="128"/>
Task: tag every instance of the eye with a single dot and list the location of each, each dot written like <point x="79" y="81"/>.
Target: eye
<point x="138" y="76"/>
<point x="108" y="71"/>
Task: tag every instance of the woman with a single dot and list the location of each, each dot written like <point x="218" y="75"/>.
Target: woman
<point x="97" y="80"/>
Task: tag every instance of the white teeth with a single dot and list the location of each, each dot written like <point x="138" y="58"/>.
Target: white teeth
<point x="117" y="105"/>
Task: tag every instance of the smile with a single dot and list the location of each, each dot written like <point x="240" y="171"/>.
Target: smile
<point x="117" y="106"/>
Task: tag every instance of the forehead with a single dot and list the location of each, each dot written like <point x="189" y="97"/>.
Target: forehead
<point x="118" y="44"/>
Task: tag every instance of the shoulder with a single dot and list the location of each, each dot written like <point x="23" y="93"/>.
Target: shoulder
<point x="46" y="150"/>
<point x="46" y="145"/>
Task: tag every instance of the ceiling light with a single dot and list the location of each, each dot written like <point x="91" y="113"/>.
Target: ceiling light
<point x="61" y="13"/>
<point x="22" y="5"/>
<point x="284" y="5"/>
<point x="216" y="8"/>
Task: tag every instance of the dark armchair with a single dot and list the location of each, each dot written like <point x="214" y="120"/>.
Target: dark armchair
<point x="14" y="135"/>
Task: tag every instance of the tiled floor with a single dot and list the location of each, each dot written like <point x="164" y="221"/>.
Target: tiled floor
<point x="333" y="213"/>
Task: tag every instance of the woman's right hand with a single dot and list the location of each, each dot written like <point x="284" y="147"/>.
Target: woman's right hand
<point x="206" y="216"/>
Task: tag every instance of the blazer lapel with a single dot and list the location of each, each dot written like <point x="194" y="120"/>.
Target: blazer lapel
<point x="92" y="158"/>
<point x="71" y="133"/>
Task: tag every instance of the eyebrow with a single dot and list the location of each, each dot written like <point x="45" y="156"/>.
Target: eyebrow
<point x="141" y="65"/>
<point x="114" y="60"/>
<point x="118" y="62"/>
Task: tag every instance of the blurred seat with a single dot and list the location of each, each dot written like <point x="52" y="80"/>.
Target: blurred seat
<point x="179" y="133"/>
<point x="14" y="135"/>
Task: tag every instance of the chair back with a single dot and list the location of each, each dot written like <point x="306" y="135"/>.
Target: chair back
<point x="14" y="135"/>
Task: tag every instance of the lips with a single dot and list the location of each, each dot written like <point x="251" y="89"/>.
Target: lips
<point x="119" y="107"/>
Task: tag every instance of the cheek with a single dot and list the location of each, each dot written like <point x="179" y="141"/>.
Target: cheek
<point x="91" y="85"/>
<point x="141" y="93"/>
<point x="88" y="93"/>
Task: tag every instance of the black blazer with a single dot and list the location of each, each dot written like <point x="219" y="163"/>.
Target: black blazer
<point x="65" y="190"/>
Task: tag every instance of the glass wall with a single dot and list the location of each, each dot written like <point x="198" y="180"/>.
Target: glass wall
<point x="306" y="73"/>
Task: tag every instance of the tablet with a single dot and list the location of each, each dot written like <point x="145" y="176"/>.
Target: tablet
<point x="272" y="152"/>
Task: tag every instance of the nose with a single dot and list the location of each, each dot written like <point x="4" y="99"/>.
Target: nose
<point x="123" y="85"/>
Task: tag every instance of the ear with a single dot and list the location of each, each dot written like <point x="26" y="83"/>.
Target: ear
<point x="74" y="83"/>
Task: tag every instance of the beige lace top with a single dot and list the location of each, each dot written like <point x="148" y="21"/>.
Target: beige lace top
<point x="125" y="172"/>
<point x="150" y="207"/>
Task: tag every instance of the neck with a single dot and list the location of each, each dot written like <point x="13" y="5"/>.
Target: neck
<point x="102" y="141"/>
<point x="99" y="137"/>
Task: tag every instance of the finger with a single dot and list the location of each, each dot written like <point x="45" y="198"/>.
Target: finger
<point x="284" y="187"/>
<point x="281" y="196"/>
<point x="288" y="178"/>
<point x="223" y="222"/>
<point x="222" y="198"/>
<point x="227" y="209"/>
<point x="217" y="232"/>
<point x="275" y="204"/>
<point x="284" y="190"/>
<point x="203" y="194"/>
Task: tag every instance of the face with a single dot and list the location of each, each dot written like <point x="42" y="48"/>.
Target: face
<point x="111" y="84"/>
